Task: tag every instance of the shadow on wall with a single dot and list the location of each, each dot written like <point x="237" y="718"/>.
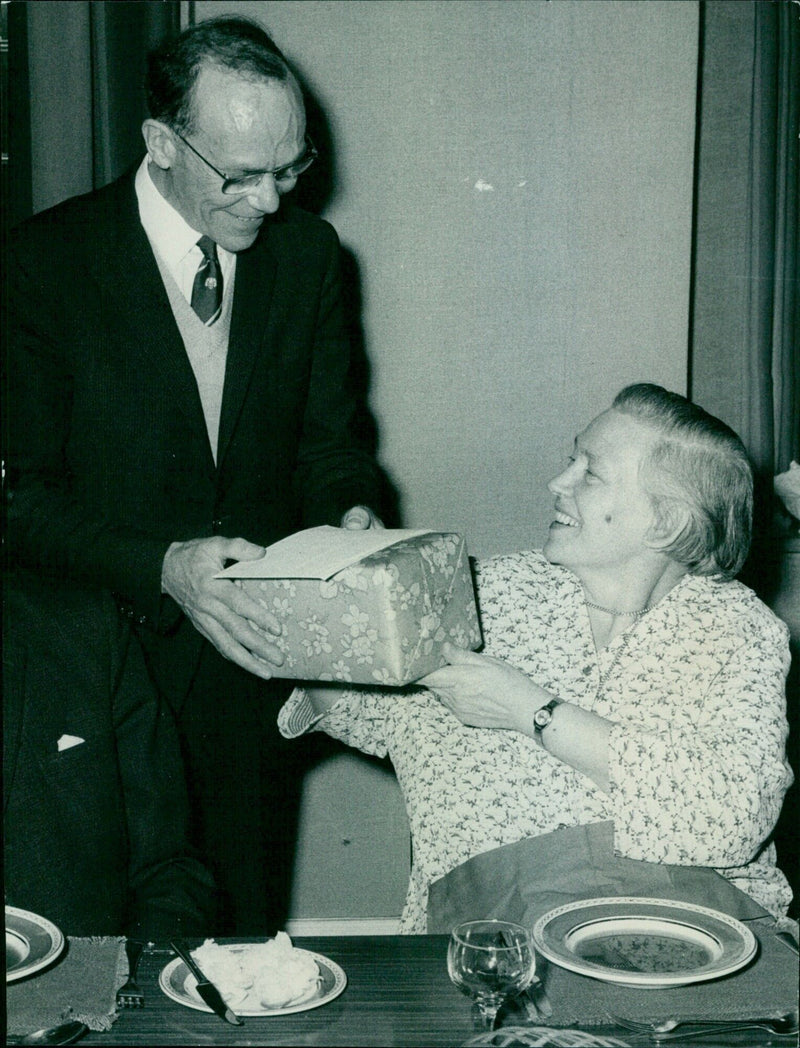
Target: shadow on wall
<point x="314" y="192"/>
<point x="317" y="188"/>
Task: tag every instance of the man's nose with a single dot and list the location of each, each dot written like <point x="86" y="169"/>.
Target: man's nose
<point x="265" y="196"/>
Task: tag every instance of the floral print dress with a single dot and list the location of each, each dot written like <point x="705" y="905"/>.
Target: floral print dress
<point x="695" y="690"/>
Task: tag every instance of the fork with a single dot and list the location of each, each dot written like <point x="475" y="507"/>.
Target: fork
<point x="129" y="995"/>
<point x="782" y="1025"/>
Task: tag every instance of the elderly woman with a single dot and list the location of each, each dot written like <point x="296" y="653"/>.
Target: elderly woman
<point x="625" y="675"/>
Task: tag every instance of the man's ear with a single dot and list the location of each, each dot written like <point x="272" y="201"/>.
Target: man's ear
<point x="671" y="520"/>
<point x="160" y="143"/>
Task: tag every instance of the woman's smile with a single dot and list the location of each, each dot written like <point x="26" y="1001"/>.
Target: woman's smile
<point x="565" y="519"/>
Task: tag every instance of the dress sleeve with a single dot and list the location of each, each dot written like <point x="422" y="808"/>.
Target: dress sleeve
<point x="369" y="720"/>
<point x="705" y="785"/>
<point x="360" y="718"/>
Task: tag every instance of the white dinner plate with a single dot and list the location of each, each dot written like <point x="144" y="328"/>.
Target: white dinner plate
<point x="178" y="983"/>
<point x="32" y="942"/>
<point x="648" y="943"/>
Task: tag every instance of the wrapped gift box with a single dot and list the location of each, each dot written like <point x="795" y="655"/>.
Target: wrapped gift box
<point x="379" y="619"/>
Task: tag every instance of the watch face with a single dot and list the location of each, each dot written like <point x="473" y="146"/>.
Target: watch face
<point x="542" y="717"/>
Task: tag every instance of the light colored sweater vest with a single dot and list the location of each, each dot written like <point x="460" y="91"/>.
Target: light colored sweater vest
<point x="206" y="348"/>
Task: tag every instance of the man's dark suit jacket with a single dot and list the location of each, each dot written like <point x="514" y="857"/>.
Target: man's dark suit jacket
<point x="94" y="832"/>
<point x="107" y="453"/>
<point x="108" y="462"/>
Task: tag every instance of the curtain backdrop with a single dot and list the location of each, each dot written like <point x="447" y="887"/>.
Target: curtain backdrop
<point x="745" y="359"/>
<point x="86" y="65"/>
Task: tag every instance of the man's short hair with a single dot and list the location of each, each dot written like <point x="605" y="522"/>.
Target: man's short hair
<point x="698" y="469"/>
<point x="228" y="42"/>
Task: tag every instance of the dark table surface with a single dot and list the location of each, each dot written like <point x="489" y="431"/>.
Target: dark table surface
<point x="398" y="993"/>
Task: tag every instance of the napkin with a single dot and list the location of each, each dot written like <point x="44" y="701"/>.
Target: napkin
<point x="81" y="986"/>
<point x="522" y="881"/>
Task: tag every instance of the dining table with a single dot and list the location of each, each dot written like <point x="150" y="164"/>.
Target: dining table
<point x="398" y="993"/>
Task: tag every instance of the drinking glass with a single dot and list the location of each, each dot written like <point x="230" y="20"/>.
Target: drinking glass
<point x="489" y="961"/>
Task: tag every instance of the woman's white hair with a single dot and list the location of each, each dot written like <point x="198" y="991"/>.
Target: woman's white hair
<point x="698" y="472"/>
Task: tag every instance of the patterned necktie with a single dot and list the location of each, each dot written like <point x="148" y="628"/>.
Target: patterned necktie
<point x="207" y="288"/>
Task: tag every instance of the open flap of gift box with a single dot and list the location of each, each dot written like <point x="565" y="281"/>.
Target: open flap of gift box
<point x="368" y="607"/>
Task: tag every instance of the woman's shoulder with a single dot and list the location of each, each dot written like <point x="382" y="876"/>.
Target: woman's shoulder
<point x="525" y="571"/>
<point x="525" y="562"/>
<point x="734" y="607"/>
<point x="519" y="563"/>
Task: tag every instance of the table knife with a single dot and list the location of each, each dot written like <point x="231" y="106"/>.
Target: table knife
<point x="788" y="940"/>
<point x="206" y="989"/>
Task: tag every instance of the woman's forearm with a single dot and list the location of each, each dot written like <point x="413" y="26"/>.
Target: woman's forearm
<point x="579" y="738"/>
<point x="323" y="698"/>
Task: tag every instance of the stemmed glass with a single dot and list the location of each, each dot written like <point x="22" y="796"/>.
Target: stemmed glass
<point x="489" y="961"/>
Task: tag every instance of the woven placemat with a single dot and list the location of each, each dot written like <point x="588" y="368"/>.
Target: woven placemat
<point x="768" y="984"/>
<point x="81" y="985"/>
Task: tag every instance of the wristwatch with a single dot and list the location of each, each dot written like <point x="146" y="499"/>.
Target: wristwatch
<point x="542" y="718"/>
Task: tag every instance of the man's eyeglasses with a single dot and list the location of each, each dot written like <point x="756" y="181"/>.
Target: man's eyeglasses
<point x="246" y="183"/>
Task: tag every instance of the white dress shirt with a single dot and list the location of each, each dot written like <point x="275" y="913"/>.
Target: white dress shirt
<point x="173" y="239"/>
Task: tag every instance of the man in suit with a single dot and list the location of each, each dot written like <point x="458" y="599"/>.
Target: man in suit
<point x="94" y="801"/>
<point x="179" y="396"/>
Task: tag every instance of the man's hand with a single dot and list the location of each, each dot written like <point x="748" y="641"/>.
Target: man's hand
<point x="218" y="608"/>
<point x="360" y="518"/>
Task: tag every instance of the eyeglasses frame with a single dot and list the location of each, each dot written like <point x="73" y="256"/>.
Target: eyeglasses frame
<point x="307" y="157"/>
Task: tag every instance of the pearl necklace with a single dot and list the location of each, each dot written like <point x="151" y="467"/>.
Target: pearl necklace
<point x="613" y="611"/>
<point x="622" y="647"/>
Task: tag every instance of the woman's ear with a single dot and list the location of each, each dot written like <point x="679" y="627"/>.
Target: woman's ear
<point x="671" y="519"/>
<point x="160" y="143"/>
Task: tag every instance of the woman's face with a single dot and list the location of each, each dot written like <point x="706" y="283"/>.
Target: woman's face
<point x="603" y="515"/>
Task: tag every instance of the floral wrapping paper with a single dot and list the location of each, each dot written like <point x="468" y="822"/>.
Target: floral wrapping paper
<point x="380" y="621"/>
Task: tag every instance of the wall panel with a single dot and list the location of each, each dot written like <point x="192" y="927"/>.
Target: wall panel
<point x="513" y="181"/>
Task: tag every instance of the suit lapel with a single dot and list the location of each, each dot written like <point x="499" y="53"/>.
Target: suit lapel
<point x="143" y="323"/>
<point x="255" y="281"/>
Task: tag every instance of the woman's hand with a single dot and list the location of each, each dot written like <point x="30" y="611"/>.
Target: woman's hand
<point x="484" y="692"/>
